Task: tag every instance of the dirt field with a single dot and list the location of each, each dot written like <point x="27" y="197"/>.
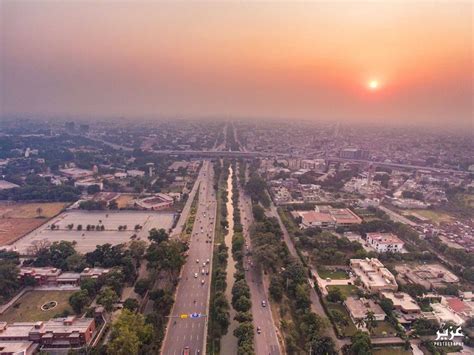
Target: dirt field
<point x="30" y="210"/>
<point x="28" y="307"/>
<point x="18" y="219"/>
<point x="88" y="240"/>
<point x="123" y="200"/>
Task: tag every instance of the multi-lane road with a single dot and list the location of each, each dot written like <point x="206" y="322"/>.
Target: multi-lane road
<point x="192" y="295"/>
<point x="266" y="342"/>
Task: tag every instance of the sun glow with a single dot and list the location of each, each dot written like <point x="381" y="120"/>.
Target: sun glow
<point x="373" y="85"/>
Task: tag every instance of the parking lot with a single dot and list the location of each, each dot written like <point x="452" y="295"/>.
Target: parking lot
<point x="87" y="240"/>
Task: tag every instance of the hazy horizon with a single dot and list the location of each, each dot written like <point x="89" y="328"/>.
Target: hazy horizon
<point x="396" y="63"/>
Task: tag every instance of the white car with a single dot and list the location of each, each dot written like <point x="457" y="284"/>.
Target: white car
<point x="202" y="282"/>
<point x="203" y="272"/>
<point x="207" y="261"/>
<point x="195" y="275"/>
<point x="197" y="261"/>
<point x="264" y="303"/>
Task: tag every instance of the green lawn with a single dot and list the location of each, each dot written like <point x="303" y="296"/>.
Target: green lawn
<point x="384" y="329"/>
<point x="347" y="290"/>
<point x="350" y="329"/>
<point x="335" y="275"/>
<point x="28" y="307"/>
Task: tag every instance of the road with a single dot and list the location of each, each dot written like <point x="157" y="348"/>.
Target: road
<point x="183" y="217"/>
<point x="396" y="217"/>
<point x="192" y="296"/>
<point x="267" y="341"/>
<point x="316" y="305"/>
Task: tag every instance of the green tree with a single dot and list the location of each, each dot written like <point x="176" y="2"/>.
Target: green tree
<point x="158" y="236"/>
<point x="131" y="304"/>
<point x="323" y="346"/>
<point x="370" y="321"/>
<point x="78" y="300"/>
<point x="141" y="286"/>
<point x="129" y="334"/>
<point x="361" y="344"/>
<point x="107" y="297"/>
<point x="335" y="295"/>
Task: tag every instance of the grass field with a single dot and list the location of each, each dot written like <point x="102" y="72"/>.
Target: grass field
<point x="334" y="275"/>
<point x="28" y="307"/>
<point x="347" y="290"/>
<point x="384" y="329"/>
<point x="350" y="329"/>
<point x="18" y="218"/>
<point x="435" y="216"/>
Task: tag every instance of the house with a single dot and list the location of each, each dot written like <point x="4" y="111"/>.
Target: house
<point x="402" y="302"/>
<point x="359" y="308"/>
<point x="76" y="173"/>
<point x="385" y="242"/>
<point x="135" y="173"/>
<point x="56" y="333"/>
<point x="374" y="275"/>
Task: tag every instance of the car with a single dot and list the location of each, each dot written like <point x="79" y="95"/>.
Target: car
<point x="197" y="261"/>
<point x="264" y="303"/>
<point x="203" y="272"/>
<point x="207" y="272"/>
<point x="259" y="330"/>
<point x="207" y="261"/>
<point x="195" y="275"/>
<point x="186" y="350"/>
<point x="202" y="282"/>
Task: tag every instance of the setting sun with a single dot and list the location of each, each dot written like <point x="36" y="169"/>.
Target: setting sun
<point x="373" y="85"/>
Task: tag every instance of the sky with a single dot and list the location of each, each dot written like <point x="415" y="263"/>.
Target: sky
<point x="376" y="61"/>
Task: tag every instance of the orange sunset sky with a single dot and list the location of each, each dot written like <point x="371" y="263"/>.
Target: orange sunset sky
<point x="386" y="61"/>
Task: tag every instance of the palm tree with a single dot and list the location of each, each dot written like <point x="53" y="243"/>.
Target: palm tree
<point x="370" y="321"/>
<point x="359" y="322"/>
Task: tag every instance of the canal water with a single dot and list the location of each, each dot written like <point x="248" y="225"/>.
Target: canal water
<point x="229" y="341"/>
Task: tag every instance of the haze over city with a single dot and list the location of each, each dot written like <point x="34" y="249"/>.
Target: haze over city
<point x="391" y="62"/>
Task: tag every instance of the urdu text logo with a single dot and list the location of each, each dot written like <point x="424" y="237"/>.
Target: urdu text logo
<point x="449" y="337"/>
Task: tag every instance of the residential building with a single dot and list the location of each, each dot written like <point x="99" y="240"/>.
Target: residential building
<point x="374" y="275"/>
<point x="385" y="242"/>
<point x="359" y="308"/>
<point x="402" y="302"/>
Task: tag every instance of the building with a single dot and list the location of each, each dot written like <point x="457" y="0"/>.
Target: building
<point x="76" y="173"/>
<point x="402" y="302"/>
<point x="374" y="275"/>
<point x="6" y="185"/>
<point x="344" y="217"/>
<point x="56" y="333"/>
<point x="18" y="348"/>
<point x="135" y="173"/>
<point x="359" y="308"/>
<point x="89" y="182"/>
<point x="317" y="219"/>
<point x="156" y="202"/>
<point x="385" y="242"/>
<point x="327" y="217"/>
<point x="44" y="276"/>
<point x="354" y="153"/>
<point x="48" y="276"/>
<point x="430" y="276"/>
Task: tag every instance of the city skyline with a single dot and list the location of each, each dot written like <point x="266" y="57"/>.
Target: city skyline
<point x="395" y="62"/>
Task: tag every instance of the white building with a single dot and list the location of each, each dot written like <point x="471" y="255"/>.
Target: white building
<point x="385" y="242"/>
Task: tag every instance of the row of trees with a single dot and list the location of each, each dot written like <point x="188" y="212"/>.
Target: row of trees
<point x="219" y="306"/>
<point x="241" y="298"/>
